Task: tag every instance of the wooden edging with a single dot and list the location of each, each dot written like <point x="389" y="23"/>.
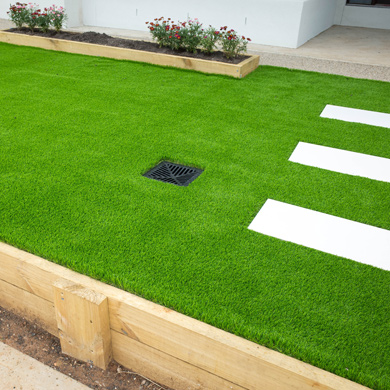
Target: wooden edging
<point x="164" y="345"/>
<point x="235" y="70"/>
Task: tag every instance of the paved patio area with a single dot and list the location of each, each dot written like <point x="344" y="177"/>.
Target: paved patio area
<point x="349" y="51"/>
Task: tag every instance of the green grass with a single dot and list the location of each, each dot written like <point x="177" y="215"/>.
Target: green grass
<point x="76" y="135"/>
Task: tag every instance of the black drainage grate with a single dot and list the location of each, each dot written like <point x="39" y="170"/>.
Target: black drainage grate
<point x="173" y="173"/>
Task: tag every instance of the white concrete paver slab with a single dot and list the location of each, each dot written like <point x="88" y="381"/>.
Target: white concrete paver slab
<point x="343" y="161"/>
<point x="355" y="115"/>
<point x="21" y="372"/>
<point x="327" y="233"/>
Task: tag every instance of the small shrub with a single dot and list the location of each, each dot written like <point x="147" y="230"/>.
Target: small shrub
<point x="174" y="39"/>
<point x="191" y="35"/>
<point x="232" y="43"/>
<point x="167" y="33"/>
<point x="32" y="16"/>
<point x="210" y="39"/>
<point x="43" y="21"/>
<point x="18" y="14"/>
<point x="159" y="30"/>
<point x="57" y="17"/>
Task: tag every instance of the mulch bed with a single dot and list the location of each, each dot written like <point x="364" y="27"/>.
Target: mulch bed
<point x="106" y="40"/>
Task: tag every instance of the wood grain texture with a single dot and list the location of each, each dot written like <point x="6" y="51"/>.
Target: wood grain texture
<point x="163" y="334"/>
<point x="83" y="323"/>
<point x="29" y="306"/>
<point x="234" y="70"/>
<point x="164" y="368"/>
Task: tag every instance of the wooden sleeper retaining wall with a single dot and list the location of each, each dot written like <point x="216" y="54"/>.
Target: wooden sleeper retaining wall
<point x="235" y="70"/>
<point x="96" y="321"/>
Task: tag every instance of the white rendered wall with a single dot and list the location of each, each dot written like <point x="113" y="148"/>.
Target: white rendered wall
<point x="287" y="23"/>
<point x="370" y="17"/>
<point x="74" y="10"/>
<point x="317" y="16"/>
<point x="4" y="7"/>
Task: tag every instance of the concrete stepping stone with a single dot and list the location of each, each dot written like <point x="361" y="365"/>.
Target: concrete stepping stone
<point x="343" y="161"/>
<point x="355" y="115"/>
<point x="327" y="233"/>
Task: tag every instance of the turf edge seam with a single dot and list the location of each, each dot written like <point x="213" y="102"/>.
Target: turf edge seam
<point x="234" y="70"/>
<point x="176" y="350"/>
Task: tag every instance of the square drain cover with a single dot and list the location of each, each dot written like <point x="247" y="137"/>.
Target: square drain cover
<point x="173" y="173"/>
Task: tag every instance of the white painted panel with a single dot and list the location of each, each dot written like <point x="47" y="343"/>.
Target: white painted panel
<point x="368" y="17"/>
<point x="343" y="161"/>
<point x="74" y="11"/>
<point x="358" y="116"/>
<point x="327" y="233"/>
<point x="272" y="22"/>
<point x="317" y="16"/>
<point x="287" y="23"/>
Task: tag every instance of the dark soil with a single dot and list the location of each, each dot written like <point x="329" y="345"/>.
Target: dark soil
<point x="31" y="340"/>
<point x="106" y="40"/>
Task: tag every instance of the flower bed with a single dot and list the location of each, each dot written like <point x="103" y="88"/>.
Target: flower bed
<point x="64" y="42"/>
<point x="191" y="37"/>
<point x="191" y="46"/>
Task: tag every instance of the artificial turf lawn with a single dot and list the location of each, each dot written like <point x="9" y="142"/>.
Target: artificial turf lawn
<point x="78" y="132"/>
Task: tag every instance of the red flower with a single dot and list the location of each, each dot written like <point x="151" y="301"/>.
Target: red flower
<point x="170" y="36"/>
<point x="151" y="28"/>
<point x="249" y="39"/>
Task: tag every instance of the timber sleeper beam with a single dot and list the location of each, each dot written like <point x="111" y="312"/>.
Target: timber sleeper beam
<point x="83" y="323"/>
<point x="164" y="345"/>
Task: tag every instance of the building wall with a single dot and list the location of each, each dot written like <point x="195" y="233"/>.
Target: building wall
<point x="270" y="22"/>
<point x="370" y="17"/>
<point x="74" y="10"/>
<point x="317" y="16"/>
<point x="286" y="23"/>
<point x="362" y="16"/>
